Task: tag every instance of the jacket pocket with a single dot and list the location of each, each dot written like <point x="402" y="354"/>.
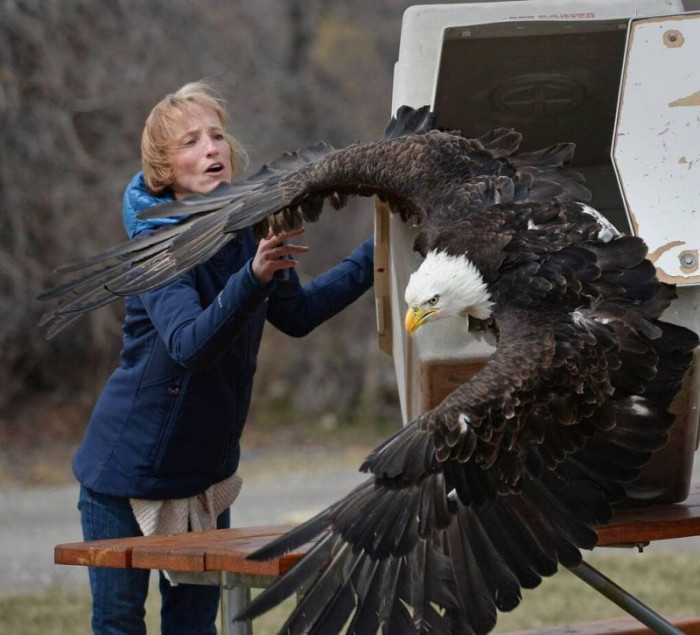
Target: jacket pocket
<point x="175" y="392"/>
<point x="198" y="425"/>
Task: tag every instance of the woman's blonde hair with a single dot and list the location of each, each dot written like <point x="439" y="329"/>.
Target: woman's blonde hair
<point x="166" y="116"/>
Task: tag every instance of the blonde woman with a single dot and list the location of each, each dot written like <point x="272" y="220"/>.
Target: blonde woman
<point x="161" y="451"/>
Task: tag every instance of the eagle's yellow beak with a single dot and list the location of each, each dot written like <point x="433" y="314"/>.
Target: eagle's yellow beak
<point x="415" y="317"/>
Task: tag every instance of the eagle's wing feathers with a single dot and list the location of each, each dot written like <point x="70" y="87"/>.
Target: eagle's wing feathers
<point x="427" y="176"/>
<point x="473" y="561"/>
<point x="133" y="267"/>
<point x="281" y="196"/>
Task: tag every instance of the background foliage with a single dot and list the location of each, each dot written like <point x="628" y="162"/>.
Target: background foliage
<point x="77" y="79"/>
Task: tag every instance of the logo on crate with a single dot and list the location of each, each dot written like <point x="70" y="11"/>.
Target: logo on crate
<point x="538" y="95"/>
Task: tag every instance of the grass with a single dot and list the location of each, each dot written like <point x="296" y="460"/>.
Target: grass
<point x="668" y="582"/>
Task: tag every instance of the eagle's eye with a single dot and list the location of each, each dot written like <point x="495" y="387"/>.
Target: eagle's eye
<point x="434" y="300"/>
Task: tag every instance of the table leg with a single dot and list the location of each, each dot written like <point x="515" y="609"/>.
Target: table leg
<point x="234" y="598"/>
<point x="624" y="599"/>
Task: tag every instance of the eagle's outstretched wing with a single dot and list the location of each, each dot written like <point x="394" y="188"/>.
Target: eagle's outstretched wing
<point x="425" y="174"/>
<point x="509" y="476"/>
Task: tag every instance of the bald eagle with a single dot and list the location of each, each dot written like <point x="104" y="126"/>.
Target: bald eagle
<point x="509" y="476"/>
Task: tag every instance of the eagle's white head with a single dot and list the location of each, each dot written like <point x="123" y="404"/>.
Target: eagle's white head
<point x="445" y="286"/>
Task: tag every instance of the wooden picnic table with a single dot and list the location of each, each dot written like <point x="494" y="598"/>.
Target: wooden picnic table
<point x="219" y="556"/>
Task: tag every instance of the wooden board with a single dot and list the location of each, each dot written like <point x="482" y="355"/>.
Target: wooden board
<point x="659" y="522"/>
<point x="216" y="550"/>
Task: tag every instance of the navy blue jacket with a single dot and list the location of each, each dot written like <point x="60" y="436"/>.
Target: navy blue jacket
<point x="169" y="420"/>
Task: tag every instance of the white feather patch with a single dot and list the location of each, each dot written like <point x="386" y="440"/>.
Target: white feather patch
<point x="578" y="318"/>
<point x="608" y="231"/>
<point x="638" y="406"/>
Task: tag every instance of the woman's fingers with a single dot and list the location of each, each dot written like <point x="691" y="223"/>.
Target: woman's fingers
<point x="274" y="255"/>
<point x="287" y="235"/>
<point x="285" y="250"/>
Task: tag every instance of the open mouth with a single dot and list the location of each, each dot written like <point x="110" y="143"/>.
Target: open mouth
<point x="216" y="168"/>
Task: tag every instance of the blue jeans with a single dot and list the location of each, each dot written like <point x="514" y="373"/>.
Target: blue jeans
<point x="119" y="595"/>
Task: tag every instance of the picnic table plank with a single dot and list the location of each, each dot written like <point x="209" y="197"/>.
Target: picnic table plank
<point x="228" y="556"/>
<point x="191" y="552"/>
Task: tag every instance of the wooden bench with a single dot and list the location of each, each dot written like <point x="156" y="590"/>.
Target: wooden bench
<point x="219" y="557"/>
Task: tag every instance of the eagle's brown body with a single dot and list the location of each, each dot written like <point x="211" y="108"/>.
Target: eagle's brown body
<point x="509" y="476"/>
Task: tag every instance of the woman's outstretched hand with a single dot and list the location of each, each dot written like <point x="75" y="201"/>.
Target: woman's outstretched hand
<point x="272" y="255"/>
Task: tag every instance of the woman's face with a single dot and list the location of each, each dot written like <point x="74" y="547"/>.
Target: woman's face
<point x="201" y="157"/>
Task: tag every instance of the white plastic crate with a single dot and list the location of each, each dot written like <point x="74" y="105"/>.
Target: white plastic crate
<point x="549" y="69"/>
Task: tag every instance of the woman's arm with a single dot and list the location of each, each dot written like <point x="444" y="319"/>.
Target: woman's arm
<point x="197" y="337"/>
<point x="296" y="310"/>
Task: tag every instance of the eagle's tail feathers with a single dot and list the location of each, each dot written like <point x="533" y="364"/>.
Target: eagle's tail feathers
<point x="661" y="301"/>
<point x="542" y="192"/>
<point x="543" y="176"/>
<point x="612" y="459"/>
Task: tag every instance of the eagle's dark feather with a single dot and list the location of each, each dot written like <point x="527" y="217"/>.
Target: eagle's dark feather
<point x="509" y="476"/>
